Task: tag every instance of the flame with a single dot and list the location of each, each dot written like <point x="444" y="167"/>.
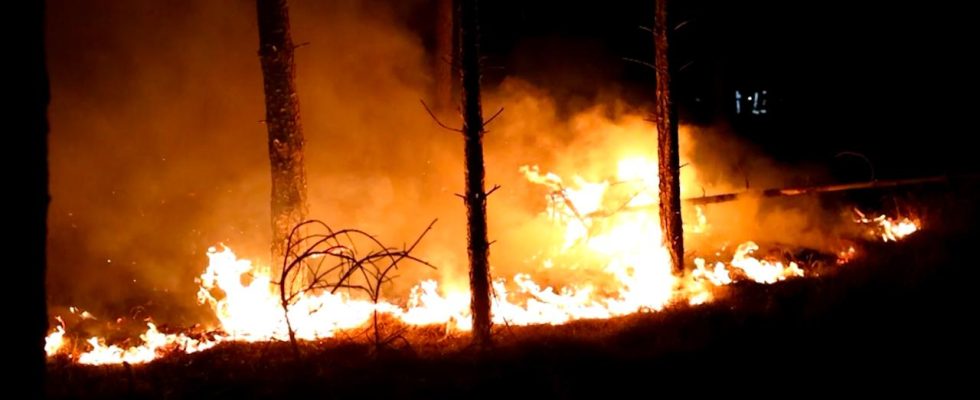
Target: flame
<point x="762" y="271"/>
<point x="155" y="344"/>
<point x="55" y="340"/>
<point x="610" y="226"/>
<point x="888" y="229"/>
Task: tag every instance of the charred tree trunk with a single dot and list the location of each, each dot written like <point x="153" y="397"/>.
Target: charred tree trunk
<point x="27" y="137"/>
<point x="476" y="195"/>
<point x="667" y="149"/>
<point x="283" y="122"/>
<point x="444" y="59"/>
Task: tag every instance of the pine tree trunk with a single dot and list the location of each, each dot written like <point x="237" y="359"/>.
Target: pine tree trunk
<point x="27" y="139"/>
<point x="282" y="119"/>
<point x="476" y="196"/>
<point x="667" y="149"/>
<point x="444" y="59"/>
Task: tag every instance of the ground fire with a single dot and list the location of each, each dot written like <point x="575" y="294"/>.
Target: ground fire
<point x="477" y="199"/>
<point x="605" y="229"/>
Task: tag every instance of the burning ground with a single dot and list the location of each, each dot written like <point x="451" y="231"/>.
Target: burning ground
<point x="154" y="185"/>
<point x="593" y="251"/>
<point x="900" y="315"/>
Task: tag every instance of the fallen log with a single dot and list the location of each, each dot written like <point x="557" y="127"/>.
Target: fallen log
<point x="784" y="192"/>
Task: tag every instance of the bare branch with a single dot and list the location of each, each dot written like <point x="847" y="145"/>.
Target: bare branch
<point x="434" y="118"/>
<point x="867" y="160"/>
<point x="493" y="189"/>
<point x="492" y="117"/>
<point x="307" y="255"/>
<point x="641" y="62"/>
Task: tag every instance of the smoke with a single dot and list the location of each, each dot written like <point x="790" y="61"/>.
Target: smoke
<point x="158" y="150"/>
<point x="722" y="163"/>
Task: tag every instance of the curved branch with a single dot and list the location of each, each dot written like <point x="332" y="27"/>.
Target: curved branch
<point x="434" y="118"/>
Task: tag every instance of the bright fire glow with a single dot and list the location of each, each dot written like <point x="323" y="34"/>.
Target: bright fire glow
<point x="55" y="340"/>
<point x="154" y="345"/>
<point x="888" y="229"/>
<point x="612" y="224"/>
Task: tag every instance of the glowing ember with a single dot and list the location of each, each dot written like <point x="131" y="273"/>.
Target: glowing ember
<point x="610" y="226"/>
<point x="845" y="256"/>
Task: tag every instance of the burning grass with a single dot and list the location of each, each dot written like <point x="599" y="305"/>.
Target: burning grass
<point x="608" y="229"/>
<point x="241" y="326"/>
<point x="891" y="316"/>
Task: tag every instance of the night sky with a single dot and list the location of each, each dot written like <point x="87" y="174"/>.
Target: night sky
<point x="891" y="81"/>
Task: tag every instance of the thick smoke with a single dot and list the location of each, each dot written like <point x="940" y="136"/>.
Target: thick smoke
<point x="158" y="150"/>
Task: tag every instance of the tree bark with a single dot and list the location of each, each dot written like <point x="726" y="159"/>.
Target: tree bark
<point x="476" y="196"/>
<point x="282" y="119"/>
<point x="444" y="58"/>
<point x="27" y="138"/>
<point x="667" y="149"/>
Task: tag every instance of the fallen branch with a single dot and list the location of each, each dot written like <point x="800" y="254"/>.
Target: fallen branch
<point x="311" y="260"/>
<point x="784" y="192"/>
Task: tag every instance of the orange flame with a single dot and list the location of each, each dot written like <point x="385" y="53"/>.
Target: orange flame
<point x="613" y="223"/>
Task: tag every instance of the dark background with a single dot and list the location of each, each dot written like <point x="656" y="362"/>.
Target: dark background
<point x="889" y="80"/>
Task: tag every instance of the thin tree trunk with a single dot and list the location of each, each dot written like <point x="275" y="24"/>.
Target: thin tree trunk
<point x="282" y="119"/>
<point x="444" y="58"/>
<point x="667" y="151"/>
<point x="27" y="140"/>
<point x="476" y="196"/>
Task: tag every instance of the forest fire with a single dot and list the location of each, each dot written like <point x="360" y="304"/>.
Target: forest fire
<point x="888" y="229"/>
<point x="609" y="229"/>
<point x="457" y="198"/>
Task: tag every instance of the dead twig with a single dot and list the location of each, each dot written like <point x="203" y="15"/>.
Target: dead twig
<point x="641" y="62"/>
<point x="434" y="118"/>
<point x="306" y="270"/>
<point x="492" y="117"/>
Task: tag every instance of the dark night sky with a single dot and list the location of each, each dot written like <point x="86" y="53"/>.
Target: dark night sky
<point x="890" y="80"/>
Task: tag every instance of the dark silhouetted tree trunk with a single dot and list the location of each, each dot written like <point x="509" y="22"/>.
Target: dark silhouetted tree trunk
<point x="26" y="138"/>
<point x="476" y="196"/>
<point x="283" y="122"/>
<point x="445" y="59"/>
<point x="667" y="151"/>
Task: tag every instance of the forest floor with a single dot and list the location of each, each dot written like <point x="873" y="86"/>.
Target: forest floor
<point x="895" y="320"/>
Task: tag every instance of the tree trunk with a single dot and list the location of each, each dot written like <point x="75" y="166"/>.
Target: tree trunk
<point x="476" y="196"/>
<point x="27" y="137"/>
<point x="667" y="151"/>
<point x="444" y="58"/>
<point x="282" y="119"/>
